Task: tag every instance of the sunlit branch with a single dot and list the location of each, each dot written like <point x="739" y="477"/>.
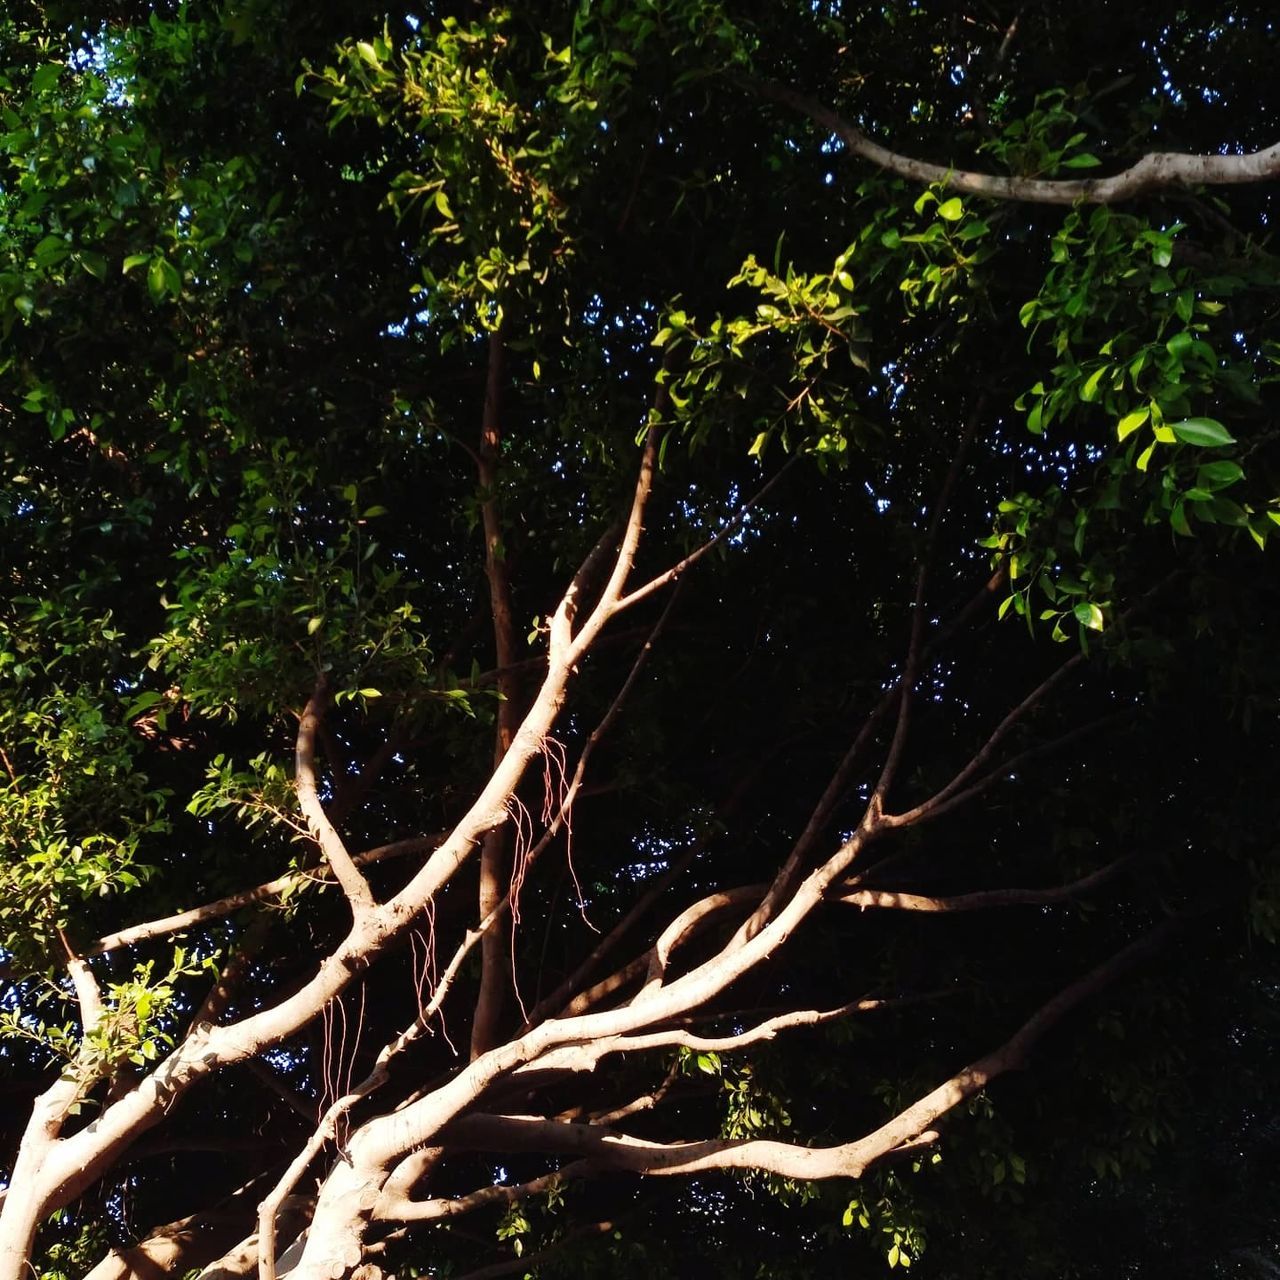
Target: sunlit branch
<point x="981" y="900"/>
<point x="645" y="1102"/>
<point x="261" y="893"/>
<point x="335" y="851"/>
<point x="1154" y="171"/>
<point x="613" y="1149"/>
<point x="676" y="570"/>
<point x="402" y="1209"/>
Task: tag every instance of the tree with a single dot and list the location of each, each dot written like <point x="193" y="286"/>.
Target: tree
<point x="553" y="643"/>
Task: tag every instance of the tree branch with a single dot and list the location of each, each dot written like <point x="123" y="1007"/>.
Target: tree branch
<point x="985" y="752"/>
<point x="672" y="574"/>
<point x="612" y="1149"/>
<point x="911" y="668"/>
<point x="247" y="897"/>
<point x="345" y="870"/>
<point x="981" y="900"/>
<point x="1154" y="171"/>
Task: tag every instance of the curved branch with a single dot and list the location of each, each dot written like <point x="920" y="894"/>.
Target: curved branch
<point x="983" y="899"/>
<point x="1154" y="171"/>
<point x="612" y="1149"/>
<point x="345" y="870"/>
<point x="402" y="1209"/>
<point x="247" y="897"/>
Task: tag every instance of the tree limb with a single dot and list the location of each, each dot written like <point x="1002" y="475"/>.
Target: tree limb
<point x="345" y="870"/>
<point x="1154" y="171"/>
<point x="247" y="897"/>
<point x="981" y="900"/>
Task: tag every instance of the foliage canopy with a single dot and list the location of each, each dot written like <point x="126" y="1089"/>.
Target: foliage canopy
<point x="601" y="591"/>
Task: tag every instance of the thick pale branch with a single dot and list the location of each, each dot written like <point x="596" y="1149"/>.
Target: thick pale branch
<point x="1153" y="172"/>
<point x="335" y="851"/>
<point x="693" y="918"/>
<point x="763" y="1032"/>
<point x="261" y="893"/>
<point x="172" y="1249"/>
<point x="612" y="1149"/>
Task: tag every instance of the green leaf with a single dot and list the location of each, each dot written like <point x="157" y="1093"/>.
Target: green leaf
<point x="140" y="704"/>
<point x="1131" y="422"/>
<point x="1218" y="475"/>
<point x="952" y="210"/>
<point x="46" y="77"/>
<point x="134" y="260"/>
<point x="371" y="693"/>
<point x="1083" y="161"/>
<point x="1089" y="392"/>
<point x="1205" y="433"/>
<point x="314" y="625"/>
<point x="1144" y="458"/>
<point x="163" y="280"/>
<point x="94" y="264"/>
<point x="1087" y="615"/>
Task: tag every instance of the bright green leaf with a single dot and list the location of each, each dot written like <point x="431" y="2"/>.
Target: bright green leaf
<point x="1131" y="422"/>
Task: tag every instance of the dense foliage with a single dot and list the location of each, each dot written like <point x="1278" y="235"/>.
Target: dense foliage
<point x="332" y="342"/>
